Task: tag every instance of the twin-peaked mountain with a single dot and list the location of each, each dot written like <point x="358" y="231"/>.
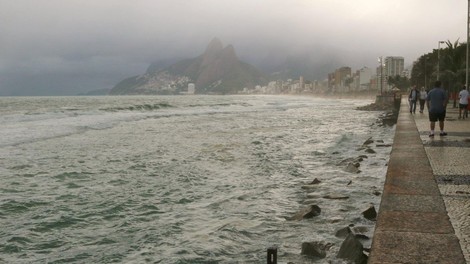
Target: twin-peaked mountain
<point x="218" y="70"/>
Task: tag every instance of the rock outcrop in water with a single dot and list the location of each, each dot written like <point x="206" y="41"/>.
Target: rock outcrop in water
<point x="357" y="239"/>
<point x="352" y="250"/>
<point x="370" y="213"/>
<point x="390" y="109"/>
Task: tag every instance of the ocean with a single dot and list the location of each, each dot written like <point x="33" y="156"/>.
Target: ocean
<point x="183" y="179"/>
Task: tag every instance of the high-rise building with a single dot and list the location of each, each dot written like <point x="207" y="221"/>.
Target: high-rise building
<point x="394" y="66"/>
<point x="365" y="74"/>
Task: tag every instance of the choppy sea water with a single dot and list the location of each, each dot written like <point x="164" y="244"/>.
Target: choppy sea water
<point x="181" y="179"/>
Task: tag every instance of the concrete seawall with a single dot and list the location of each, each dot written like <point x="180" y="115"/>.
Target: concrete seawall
<point x="413" y="224"/>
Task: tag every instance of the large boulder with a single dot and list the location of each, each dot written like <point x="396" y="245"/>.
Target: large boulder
<point x="352" y="250"/>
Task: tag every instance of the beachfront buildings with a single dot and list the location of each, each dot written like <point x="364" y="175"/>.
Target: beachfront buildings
<point x="339" y="81"/>
<point x="393" y="66"/>
<point x="342" y="80"/>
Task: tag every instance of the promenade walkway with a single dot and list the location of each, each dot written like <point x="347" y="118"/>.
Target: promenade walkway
<point x="424" y="216"/>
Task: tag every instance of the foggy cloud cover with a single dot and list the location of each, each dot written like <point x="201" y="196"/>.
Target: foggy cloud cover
<point x="65" y="47"/>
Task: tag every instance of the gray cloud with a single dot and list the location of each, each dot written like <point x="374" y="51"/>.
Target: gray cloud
<point x="108" y="39"/>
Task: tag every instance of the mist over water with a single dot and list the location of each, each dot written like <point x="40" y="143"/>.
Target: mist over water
<point x="182" y="179"/>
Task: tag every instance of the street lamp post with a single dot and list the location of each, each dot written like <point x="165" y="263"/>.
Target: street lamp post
<point x="468" y="38"/>
<point x="381" y="73"/>
<point x="439" y="58"/>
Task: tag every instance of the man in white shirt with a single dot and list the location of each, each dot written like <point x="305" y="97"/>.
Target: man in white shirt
<point x="463" y="102"/>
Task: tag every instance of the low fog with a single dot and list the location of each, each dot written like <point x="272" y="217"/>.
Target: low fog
<point x="56" y="47"/>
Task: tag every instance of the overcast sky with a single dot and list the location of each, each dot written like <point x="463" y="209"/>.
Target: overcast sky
<point x="91" y="44"/>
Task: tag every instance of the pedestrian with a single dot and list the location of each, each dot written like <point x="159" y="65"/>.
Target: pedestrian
<point x="422" y="99"/>
<point x="436" y="102"/>
<point x="463" y="102"/>
<point x="412" y="98"/>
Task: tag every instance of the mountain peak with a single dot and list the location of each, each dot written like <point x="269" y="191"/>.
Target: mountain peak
<point x="218" y="71"/>
<point x="230" y="50"/>
<point x="214" y="46"/>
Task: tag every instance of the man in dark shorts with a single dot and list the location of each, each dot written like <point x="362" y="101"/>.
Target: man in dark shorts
<point x="437" y="103"/>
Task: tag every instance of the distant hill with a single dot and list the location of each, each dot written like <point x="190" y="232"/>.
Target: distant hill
<point x="218" y="70"/>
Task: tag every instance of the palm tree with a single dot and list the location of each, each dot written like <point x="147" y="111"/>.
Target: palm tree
<point x="454" y="68"/>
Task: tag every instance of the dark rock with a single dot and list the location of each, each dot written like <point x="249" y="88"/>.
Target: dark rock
<point x="314" y="249"/>
<point x="309" y="212"/>
<point x="377" y="193"/>
<point x="370" y="151"/>
<point x="361" y="236"/>
<point x="370" y="213"/>
<point x="316" y="181"/>
<point x="315" y="210"/>
<point x="368" y="142"/>
<point x="352" y="250"/>
<point x="383" y="145"/>
<point x="343" y="232"/>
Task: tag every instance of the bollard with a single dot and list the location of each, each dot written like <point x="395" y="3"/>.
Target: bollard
<point x="272" y="255"/>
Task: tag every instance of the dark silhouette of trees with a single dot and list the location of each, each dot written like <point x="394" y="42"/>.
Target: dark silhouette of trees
<point x="452" y="67"/>
<point x="398" y="81"/>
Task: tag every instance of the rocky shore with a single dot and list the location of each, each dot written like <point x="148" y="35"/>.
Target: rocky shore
<point x="356" y="237"/>
<point x="390" y="109"/>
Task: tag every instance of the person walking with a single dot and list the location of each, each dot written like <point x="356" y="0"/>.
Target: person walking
<point x="463" y="102"/>
<point x="422" y="99"/>
<point x="436" y="102"/>
<point x="412" y="98"/>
